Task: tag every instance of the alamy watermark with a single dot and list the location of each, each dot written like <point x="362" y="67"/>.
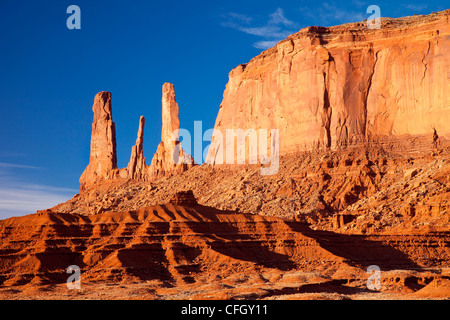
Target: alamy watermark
<point x="74" y="20"/>
<point x="74" y="281"/>
<point x="231" y="146"/>
<point x="374" y="280"/>
<point x="374" y="21"/>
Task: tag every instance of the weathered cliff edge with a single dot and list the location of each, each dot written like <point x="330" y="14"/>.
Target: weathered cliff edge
<point x="345" y="85"/>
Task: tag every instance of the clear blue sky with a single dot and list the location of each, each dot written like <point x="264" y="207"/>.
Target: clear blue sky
<point x="49" y="74"/>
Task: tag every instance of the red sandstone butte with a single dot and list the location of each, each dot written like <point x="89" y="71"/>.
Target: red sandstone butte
<point x="346" y="85"/>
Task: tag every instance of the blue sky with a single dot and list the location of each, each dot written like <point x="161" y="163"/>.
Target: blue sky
<point x="49" y="74"/>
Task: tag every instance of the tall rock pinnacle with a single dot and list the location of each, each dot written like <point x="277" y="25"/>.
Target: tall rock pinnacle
<point x="169" y="157"/>
<point x="170" y="120"/>
<point x="343" y="86"/>
<point x="103" y="156"/>
<point x="136" y="167"/>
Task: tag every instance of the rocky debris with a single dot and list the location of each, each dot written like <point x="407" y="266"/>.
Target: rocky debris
<point x="103" y="156"/>
<point x="184" y="198"/>
<point x="411" y="173"/>
<point x="435" y="142"/>
<point x="344" y="85"/>
<point x="341" y="220"/>
<point x="312" y="187"/>
<point x="439" y="287"/>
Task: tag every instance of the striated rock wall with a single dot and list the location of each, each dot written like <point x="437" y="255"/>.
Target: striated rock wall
<point x="344" y="85"/>
<point x="180" y="243"/>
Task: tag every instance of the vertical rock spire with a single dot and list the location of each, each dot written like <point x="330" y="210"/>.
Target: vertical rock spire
<point x="170" y="120"/>
<point x="169" y="149"/>
<point x="103" y="156"/>
<point x="137" y="167"/>
<point x="168" y="159"/>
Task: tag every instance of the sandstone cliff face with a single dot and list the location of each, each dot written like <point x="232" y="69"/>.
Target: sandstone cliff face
<point x="345" y="85"/>
<point x="103" y="156"/>
<point x="168" y="159"/>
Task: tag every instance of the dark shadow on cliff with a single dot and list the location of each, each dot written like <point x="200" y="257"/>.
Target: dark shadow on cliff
<point x="357" y="250"/>
<point x="331" y="286"/>
<point x="226" y="238"/>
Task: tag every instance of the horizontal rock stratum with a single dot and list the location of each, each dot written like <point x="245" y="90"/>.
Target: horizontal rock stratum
<point x="344" y="85"/>
<point x="184" y="243"/>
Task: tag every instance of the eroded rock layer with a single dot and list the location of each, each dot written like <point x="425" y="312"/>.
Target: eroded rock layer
<point x="356" y="190"/>
<point x="181" y="244"/>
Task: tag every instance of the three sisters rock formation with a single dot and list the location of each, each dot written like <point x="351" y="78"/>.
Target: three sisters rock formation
<point x="168" y="159"/>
